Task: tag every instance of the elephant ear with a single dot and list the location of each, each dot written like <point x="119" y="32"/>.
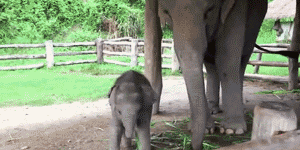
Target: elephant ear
<point x="226" y="7"/>
<point x="110" y="91"/>
<point x="112" y="96"/>
<point x="150" y="94"/>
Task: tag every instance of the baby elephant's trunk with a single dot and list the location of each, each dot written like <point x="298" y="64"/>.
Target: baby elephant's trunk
<point x="129" y="123"/>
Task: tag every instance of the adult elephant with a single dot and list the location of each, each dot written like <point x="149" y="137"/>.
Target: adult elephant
<point x="218" y="33"/>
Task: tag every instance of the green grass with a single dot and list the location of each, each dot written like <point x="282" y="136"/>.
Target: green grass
<point x="266" y="70"/>
<point x="60" y="84"/>
<point x="38" y="88"/>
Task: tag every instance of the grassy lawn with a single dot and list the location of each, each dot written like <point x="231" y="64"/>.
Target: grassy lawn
<point x="60" y="84"/>
<point x="266" y="70"/>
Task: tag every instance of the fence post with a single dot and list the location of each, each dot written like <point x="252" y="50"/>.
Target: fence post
<point x="99" y="49"/>
<point x="257" y="66"/>
<point x="175" y="63"/>
<point x="134" y="52"/>
<point x="49" y="53"/>
<point x="293" y="73"/>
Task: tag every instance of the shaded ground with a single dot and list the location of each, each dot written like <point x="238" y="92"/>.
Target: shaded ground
<point x="86" y="126"/>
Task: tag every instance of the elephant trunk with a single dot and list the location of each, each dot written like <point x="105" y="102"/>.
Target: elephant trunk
<point x="129" y="123"/>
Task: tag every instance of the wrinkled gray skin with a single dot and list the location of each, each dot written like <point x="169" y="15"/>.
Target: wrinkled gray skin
<point x="131" y="100"/>
<point x="217" y="33"/>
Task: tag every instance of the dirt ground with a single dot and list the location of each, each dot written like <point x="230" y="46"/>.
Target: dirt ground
<point x="86" y="126"/>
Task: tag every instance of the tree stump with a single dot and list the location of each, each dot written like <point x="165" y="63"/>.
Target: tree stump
<point x="271" y="118"/>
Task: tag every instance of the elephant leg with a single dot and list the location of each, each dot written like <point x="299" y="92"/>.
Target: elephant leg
<point x="116" y="134"/>
<point x="144" y="136"/>
<point x="127" y="143"/>
<point x="256" y="13"/>
<point x="153" y="36"/>
<point x="229" y="48"/>
<point x="212" y="88"/>
<point x="190" y="45"/>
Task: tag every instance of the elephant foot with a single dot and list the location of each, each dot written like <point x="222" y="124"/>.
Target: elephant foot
<point x="210" y="126"/>
<point x="233" y="125"/>
<point x="214" y="108"/>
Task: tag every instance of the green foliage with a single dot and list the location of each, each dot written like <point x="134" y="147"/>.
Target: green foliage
<point x="266" y="33"/>
<point x="35" y="19"/>
<point x="45" y="19"/>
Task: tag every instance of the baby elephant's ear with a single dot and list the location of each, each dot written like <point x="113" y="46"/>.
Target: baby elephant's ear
<point x="111" y="89"/>
<point x="150" y="94"/>
<point x="112" y="97"/>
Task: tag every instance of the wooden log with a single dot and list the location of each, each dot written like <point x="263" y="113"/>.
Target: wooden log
<point x="120" y="39"/>
<point x="268" y="63"/>
<point x="8" y="57"/>
<point x="271" y="117"/>
<point x="267" y="77"/>
<point x="22" y="45"/>
<point x="74" y="44"/>
<point x="162" y="56"/>
<point x="175" y="62"/>
<point x="39" y="56"/>
<point x="271" y="49"/>
<point x="134" y="52"/>
<point x="75" y="53"/>
<point x="99" y="50"/>
<point x="121" y="43"/>
<point x="163" y="65"/>
<point x="162" y="44"/>
<point x="117" y="53"/>
<point x="286" y="141"/>
<point x="49" y="53"/>
<point x="281" y="45"/>
<point x="257" y="66"/>
<point x="116" y="62"/>
<point x="34" y="66"/>
<point x="74" y="62"/>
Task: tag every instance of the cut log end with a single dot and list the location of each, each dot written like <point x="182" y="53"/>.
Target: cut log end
<point x="271" y="118"/>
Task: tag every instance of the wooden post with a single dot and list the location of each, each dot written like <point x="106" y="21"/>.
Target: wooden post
<point x="99" y="49"/>
<point x="293" y="73"/>
<point x="295" y="46"/>
<point x="49" y="53"/>
<point x="257" y="66"/>
<point x="175" y="62"/>
<point x="134" y="52"/>
<point x="271" y="117"/>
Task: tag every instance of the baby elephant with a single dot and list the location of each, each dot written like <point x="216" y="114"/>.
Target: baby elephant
<point x="131" y="100"/>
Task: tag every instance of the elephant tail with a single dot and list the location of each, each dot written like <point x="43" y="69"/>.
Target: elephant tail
<point x="291" y="54"/>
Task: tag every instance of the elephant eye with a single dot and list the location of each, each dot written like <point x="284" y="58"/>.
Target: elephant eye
<point x="119" y="112"/>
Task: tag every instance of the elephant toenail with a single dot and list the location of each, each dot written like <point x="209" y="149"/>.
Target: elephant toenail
<point x="229" y="131"/>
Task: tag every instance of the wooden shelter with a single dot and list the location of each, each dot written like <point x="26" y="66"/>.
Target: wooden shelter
<point x="279" y="9"/>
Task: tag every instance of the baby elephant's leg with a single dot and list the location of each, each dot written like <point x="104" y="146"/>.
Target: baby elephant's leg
<point x="144" y="136"/>
<point x="116" y="135"/>
<point x="127" y="143"/>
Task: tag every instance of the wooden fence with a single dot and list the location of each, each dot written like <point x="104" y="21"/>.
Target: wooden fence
<point x="258" y="62"/>
<point x="134" y="44"/>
